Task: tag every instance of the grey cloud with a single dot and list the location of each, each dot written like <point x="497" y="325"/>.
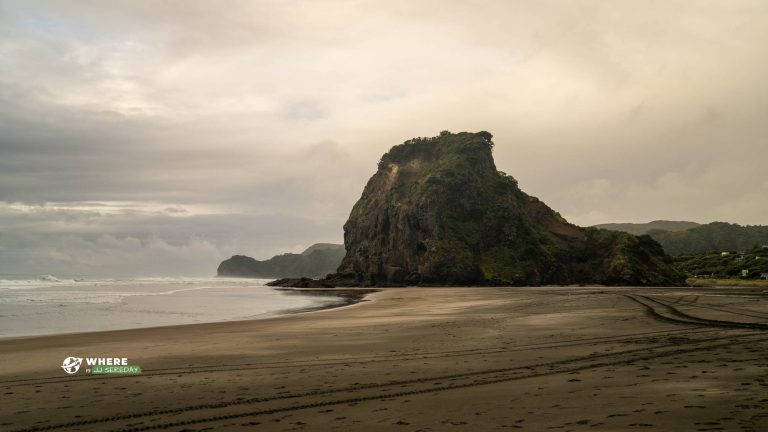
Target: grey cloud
<point x="89" y="242"/>
<point x="305" y="110"/>
<point x="263" y="112"/>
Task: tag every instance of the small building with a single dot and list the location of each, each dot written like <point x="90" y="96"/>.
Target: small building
<point x="764" y="275"/>
<point x="744" y="273"/>
<point x="724" y="253"/>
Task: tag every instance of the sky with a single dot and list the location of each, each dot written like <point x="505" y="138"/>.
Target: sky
<point x="158" y="138"/>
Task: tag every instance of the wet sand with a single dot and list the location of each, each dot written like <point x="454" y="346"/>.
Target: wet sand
<point x="420" y="359"/>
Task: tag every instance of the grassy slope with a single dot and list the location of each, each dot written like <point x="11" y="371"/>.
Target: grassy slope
<point x="701" y="282"/>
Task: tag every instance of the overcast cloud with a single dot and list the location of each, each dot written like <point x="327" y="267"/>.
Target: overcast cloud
<point x="157" y="138"/>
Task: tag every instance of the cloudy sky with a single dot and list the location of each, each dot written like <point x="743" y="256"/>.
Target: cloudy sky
<point x="157" y="138"/>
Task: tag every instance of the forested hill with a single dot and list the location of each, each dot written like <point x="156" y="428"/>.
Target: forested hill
<point x="645" y="228"/>
<point x="712" y="237"/>
<point x="318" y="260"/>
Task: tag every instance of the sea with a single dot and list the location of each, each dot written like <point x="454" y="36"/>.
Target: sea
<point x="50" y="304"/>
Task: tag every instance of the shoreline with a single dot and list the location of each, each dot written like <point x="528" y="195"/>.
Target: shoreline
<point x="347" y="297"/>
<point x="587" y="358"/>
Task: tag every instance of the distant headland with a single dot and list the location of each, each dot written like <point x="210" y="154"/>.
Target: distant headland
<point x="316" y="261"/>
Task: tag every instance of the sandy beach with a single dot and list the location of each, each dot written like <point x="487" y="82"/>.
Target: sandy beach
<point x="420" y="359"/>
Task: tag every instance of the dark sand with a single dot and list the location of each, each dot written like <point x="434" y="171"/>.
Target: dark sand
<point x="421" y="359"/>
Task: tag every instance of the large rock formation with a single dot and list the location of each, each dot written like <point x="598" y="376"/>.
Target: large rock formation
<point x="318" y="260"/>
<point x="438" y="212"/>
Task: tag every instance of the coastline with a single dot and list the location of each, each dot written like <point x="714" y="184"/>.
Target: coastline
<point x="347" y="297"/>
<point x="586" y="358"/>
<point x="93" y="306"/>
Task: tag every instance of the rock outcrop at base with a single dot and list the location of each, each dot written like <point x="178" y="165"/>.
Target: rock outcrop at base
<point x="438" y="212"/>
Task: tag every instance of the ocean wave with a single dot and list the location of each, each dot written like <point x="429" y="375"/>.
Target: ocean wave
<point x="51" y="289"/>
<point x="51" y="281"/>
<point x="32" y="306"/>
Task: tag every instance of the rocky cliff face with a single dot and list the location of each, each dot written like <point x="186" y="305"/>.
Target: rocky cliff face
<point x="438" y="212"/>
